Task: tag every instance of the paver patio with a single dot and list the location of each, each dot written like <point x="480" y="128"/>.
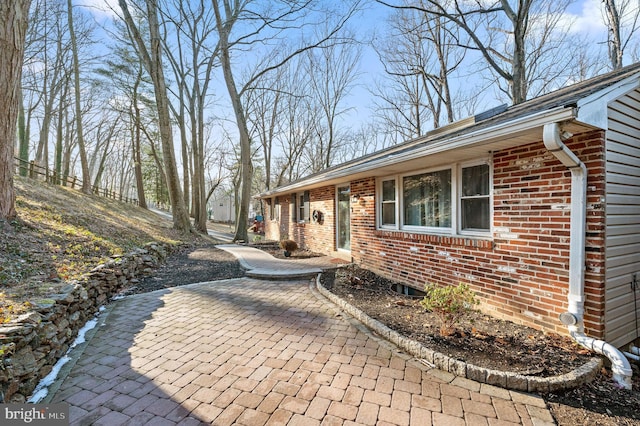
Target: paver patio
<point x="264" y="352"/>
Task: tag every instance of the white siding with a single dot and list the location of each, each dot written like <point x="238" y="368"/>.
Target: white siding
<point x="223" y="209"/>
<point x="623" y="219"/>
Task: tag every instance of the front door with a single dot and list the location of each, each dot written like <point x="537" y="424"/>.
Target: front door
<point x="343" y="213"/>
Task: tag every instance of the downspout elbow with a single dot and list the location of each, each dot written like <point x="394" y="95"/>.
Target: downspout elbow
<point x="553" y="142"/>
<point x="574" y="319"/>
<point x="620" y="366"/>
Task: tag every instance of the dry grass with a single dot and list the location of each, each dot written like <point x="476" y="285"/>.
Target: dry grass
<point x="61" y="234"/>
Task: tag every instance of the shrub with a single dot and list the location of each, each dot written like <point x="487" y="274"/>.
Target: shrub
<point x="448" y="304"/>
<point x="289" y="246"/>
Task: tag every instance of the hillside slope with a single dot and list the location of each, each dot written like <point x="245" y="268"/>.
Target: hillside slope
<point x="60" y="234"/>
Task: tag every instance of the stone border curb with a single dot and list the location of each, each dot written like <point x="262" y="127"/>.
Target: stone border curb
<point x="270" y="274"/>
<point x="503" y="379"/>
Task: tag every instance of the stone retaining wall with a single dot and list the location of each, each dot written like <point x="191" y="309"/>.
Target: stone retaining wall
<point x="31" y="344"/>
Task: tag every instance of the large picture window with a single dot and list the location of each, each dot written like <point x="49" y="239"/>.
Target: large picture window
<point x="456" y="199"/>
<point x="427" y="199"/>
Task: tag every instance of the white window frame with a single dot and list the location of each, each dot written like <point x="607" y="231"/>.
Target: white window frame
<point x="456" y="201"/>
<point x="303" y="206"/>
<point x="460" y="197"/>
<point x="429" y="229"/>
<point x="381" y="225"/>
<point x="274" y="209"/>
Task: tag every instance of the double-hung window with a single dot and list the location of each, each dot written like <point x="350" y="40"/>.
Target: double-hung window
<point x="452" y="200"/>
<point x="301" y="204"/>
<point x="388" y="211"/>
<point x="474" y="199"/>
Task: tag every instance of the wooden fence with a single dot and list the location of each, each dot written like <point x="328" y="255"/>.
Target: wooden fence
<point x="32" y="170"/>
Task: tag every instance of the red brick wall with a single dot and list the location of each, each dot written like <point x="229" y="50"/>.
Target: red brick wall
<point x="321" y="235"/>
<point x="521" y="271"/>
<point x="316" y="236"/>
<point x="532" y="196"/>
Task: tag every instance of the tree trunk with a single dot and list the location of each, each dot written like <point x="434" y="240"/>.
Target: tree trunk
<point x="180" y="215"/>
<point x="520" y="21"/>
<point x="136" y="146"/>
<point x="86" y="176"/>
<point x="200" y="198"/>
<point x="14" y="17"/>
<point x="103" y="158"/>
<point x="153" y="63"/>
<point x="615" y="40"/>
<point x="59" y="140"/>
<point x="246" y="172"/>
<point x="23" y="139"/>
<point x="68" y="145"/>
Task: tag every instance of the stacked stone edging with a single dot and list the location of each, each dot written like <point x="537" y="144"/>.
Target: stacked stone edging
<point x="31" y="344"/>
<point x="503" y="379"/>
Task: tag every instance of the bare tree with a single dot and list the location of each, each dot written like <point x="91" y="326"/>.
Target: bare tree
<point x="622" y="18"/>
<point x="264" y="112"/>
<point x="192" y="60"/>
<point x="366" y="139"/>
<point x="265" y="23"/>
<point x="49" y="57"/>
<point x="105" y="141"/>
<point x="332" y="72"/>
<point x="419" y="57"/>
<point x="131" y="92"/>
<point x="62" y="150"/>
<point x="297" y="132"/>
<point x="513" y="37"/>
<point x="224" y="25"/>
<point x="152" y="59"/>
<point x="86" y="175"/>
<point x="14" y="17"/>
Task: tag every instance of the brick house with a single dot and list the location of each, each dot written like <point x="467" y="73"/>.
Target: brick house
<point x="535" y="206"/>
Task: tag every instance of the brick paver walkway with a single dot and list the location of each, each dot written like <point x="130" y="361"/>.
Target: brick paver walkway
<point x="253" y="352"/>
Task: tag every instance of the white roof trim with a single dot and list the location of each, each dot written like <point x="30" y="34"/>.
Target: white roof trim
<point x="592" y="109"/>
<point x="440" y="144"/>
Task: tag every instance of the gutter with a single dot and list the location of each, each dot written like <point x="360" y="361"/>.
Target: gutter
<point x="470" y="136"/>
<point x="574" y="318"/>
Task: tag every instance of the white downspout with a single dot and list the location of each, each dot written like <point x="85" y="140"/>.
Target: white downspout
<point x="574" y="318"/>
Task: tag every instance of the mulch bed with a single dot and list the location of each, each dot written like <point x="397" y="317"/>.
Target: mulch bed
<point x="479" y="339"/>
<point x="498" y="345"/>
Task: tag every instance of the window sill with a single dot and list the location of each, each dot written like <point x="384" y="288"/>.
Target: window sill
<point x="440" y="239"/>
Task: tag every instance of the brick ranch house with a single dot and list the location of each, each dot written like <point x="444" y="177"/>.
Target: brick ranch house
<point x="536" y="206"/>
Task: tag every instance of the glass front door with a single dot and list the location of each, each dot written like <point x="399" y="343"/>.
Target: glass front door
<point x="343" y="214"/>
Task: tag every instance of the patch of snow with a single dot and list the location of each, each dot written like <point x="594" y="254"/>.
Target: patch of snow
<point x="42" y="389"/>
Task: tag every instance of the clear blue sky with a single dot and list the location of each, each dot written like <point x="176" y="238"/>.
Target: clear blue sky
<point x="585" y="15"/>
